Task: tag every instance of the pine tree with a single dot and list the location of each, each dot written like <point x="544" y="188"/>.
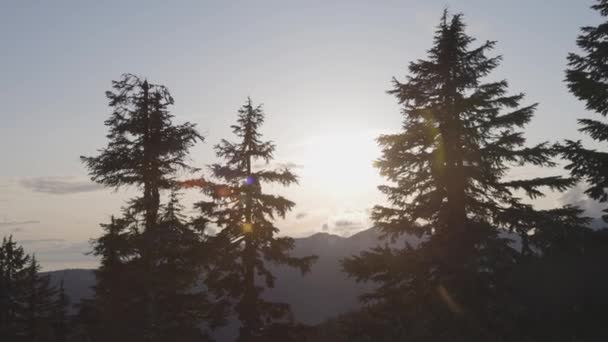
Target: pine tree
<point x="586" y="79"/>
<point x="450" y="185"/>
<point x="186" y="303"/>
<point x="13" y="263"/>
<point x="247" y="238"/>
<point x="60" y="315"/>
<point x="27" y="298"/>
<point x="37" y="308"/>
<point x="145" y="150"/>
<point x="116" y="311"/>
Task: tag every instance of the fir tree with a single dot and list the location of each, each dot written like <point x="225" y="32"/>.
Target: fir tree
<point x="116" y="311"/>
<point x="27" y="298"/>
<point x="37" y="307"/>
<point x="146" y="150"/>
<point x="247" y="238"/>
<point x="450" y="184"/>
<point x="60" y="315"/>
<point x="183" y="250"/>
<point x="13" y="263"/>
<point x="586" y="79"/>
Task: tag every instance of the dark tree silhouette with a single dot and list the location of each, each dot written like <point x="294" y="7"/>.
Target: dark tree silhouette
<point x="183" y="255"/>
<point x="587" y="80"/>
<point x="28" y="301"/>
<point x="38" y="300"/>
<point x="144" y="276"/>
<point x="116" y="311"/>
<point x="450" y="185"/>
<point x="247" y="238"/>
<point x="61" y="316"/>
<point x="13" y="263"/>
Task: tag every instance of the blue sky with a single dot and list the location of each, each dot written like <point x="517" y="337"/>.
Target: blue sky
<point x="321" y="68"/>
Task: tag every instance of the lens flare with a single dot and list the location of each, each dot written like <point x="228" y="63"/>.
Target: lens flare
<point x="193" y="183"/>
<point x="448" y="300"/>
<point x="247" y="227"/>
<point x="223" y="191"/>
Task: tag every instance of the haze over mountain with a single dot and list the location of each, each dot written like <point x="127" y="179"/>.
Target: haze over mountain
<point x="323" y="293"/>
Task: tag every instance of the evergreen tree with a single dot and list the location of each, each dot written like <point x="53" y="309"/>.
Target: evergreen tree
<point x="116" y="311"/>
<point x="13" y="263"/>
<point x="27" y="298"/>
<point x="586" y="79"/>
<point x="38" y="299"/>
<point x="247" y="238"/>
<point x="182" y="249"/>
<point x="60" y="316"/>
<point x="450" y="184"/>
<point x="146" y="150"/>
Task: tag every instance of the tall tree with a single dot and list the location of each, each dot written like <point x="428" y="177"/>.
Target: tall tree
<point x="587" y="79"/>
<point x="182" y="249"/>
<point x="116" y="311"/>
<point x="13" y="263"/>
<point x="247" y="238"/>
<point x="450" y="184"/>
<point x="145" y="150"/>
<point x="38" y="299"/>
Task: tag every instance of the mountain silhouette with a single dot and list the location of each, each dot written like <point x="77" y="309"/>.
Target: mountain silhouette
<point x="323" y="293"/>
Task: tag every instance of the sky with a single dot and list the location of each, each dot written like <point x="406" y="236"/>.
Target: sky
<point x="320" y="68"/>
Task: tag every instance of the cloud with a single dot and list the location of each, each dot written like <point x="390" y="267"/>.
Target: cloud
<point x="288" y="165"/>
<point x="17" y="223"/>
<point x="348" y="222"/>
<point x="325" y="227"/>
<point x="278" y="165"/>
<point x="342" y="223"/>
<point x="61" y="254"/>
<point x="59" y="185"/>
<point x="347" y="227"/>
<point x="301" y="215"/>
<point x="37" y="241"/>
<point x="576" y="196"/>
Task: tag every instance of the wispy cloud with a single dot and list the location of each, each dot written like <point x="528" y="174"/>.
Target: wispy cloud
<point x="348" y="222"/>
<point x="278" y="165"/>
<point x="17" y="223"/>
<point x="36" y="241"/>
<point x="576" y="196"/>
<point x="301" y="215"/>
<point x="59" y="253"/>
<point x="347" y="227"/>
<point x="59" y="185"/>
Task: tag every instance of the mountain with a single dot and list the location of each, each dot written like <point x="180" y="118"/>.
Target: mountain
<point x="326" y="291"/>
<point x="323" y="293"/>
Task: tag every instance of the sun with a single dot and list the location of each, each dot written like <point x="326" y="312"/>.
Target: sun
<point x="339" y="163"/>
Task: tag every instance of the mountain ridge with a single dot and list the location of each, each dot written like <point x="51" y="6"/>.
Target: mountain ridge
<point x="322" y="293"/>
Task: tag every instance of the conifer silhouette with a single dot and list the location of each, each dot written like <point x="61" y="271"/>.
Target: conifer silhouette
<point x="586" y="79"/>
<point x="247" y="238"/>
<point x="448" y="172"/>
<point x="60" y="318"/>
<point x="145" y="150"/>
<point x="13" y="266"/>
<point x="28" y="301"/>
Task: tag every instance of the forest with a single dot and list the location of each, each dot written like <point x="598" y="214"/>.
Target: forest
<point x="488" y="264"/>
